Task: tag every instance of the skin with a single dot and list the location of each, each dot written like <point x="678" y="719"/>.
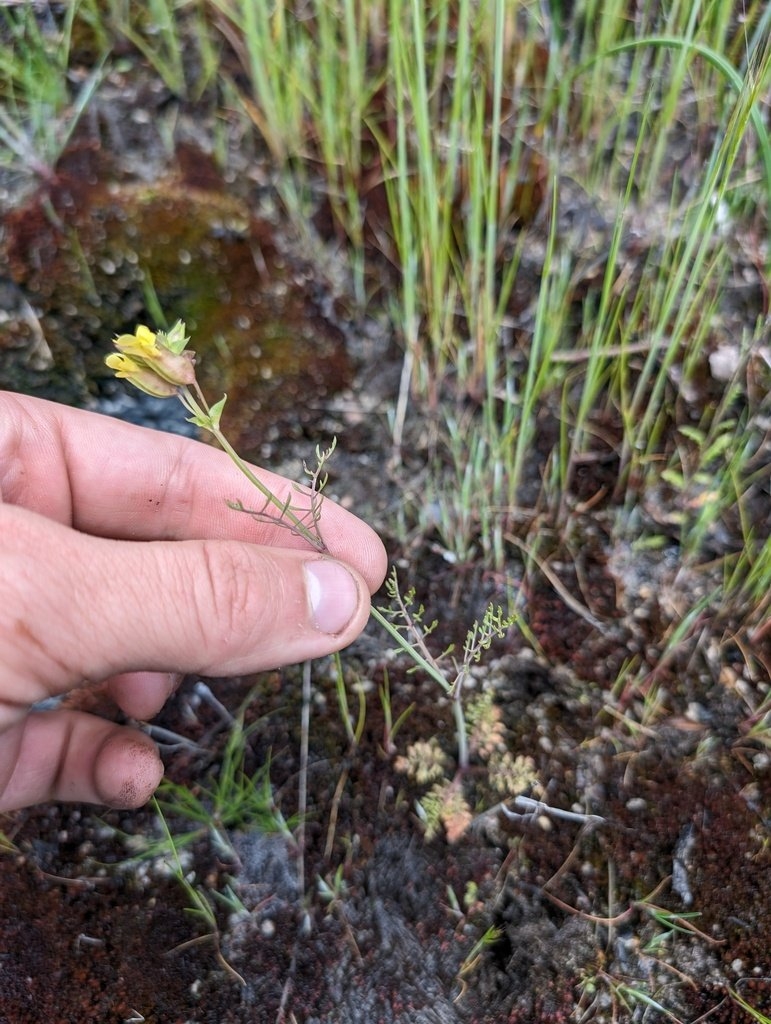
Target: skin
<point x="120" y="562"/>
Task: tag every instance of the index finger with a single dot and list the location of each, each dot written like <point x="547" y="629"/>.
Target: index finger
<point x="113" y="479"/>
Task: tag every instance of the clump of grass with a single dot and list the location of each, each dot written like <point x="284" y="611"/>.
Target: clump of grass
<point x="233" y="801"/>
<point x="474" y="118"/>
<point x="229" y="800"/>
<point x="174" y="39"/>
<point x="200" y="900"/>
<point x="40" y="106"/>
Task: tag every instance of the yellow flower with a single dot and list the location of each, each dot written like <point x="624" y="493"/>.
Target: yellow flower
<point x="122" y="365"/>
<point x="155" y="362"/>
<point x="142" y="378"/>
<point x="142" y="343"/>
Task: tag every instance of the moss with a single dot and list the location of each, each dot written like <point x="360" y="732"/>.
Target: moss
<point x="94" y="260"/>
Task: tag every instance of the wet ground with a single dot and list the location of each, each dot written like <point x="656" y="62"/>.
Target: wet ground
<point x="634" y="884"/>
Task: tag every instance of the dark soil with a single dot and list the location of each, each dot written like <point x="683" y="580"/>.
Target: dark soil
<point x="652" y="902"/>
<point x="682" y="826"/>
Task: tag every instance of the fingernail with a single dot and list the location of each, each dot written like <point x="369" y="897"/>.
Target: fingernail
<point x="333" y="595"/>
<point x="175" y="678"/>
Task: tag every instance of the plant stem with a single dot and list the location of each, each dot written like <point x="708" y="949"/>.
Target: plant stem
<point x="408" y="648"/>
<point x="199" y="407"/>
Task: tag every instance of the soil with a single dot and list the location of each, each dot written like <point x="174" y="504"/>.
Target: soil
<point x="633" y="886"/>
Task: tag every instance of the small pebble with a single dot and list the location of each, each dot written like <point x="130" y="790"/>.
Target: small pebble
<point x="637" y="804"/>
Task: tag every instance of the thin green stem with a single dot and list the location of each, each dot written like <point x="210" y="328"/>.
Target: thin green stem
<point x="199" y="407"/>
<point x="408" y="648"/>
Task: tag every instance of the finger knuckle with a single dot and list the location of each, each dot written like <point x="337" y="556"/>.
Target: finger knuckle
<point x="226" y="590"/>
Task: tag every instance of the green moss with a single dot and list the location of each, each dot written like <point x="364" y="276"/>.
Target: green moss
<point x="95" y="260"/>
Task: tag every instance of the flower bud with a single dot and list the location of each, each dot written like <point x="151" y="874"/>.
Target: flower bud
<point x="176" y="369"/>
<point x="176" y="339"/>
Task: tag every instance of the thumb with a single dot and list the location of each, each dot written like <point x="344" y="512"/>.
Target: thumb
<point x="75" y="607"/>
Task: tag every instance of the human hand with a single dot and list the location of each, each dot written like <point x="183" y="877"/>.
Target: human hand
<point x="121" y="561"/>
